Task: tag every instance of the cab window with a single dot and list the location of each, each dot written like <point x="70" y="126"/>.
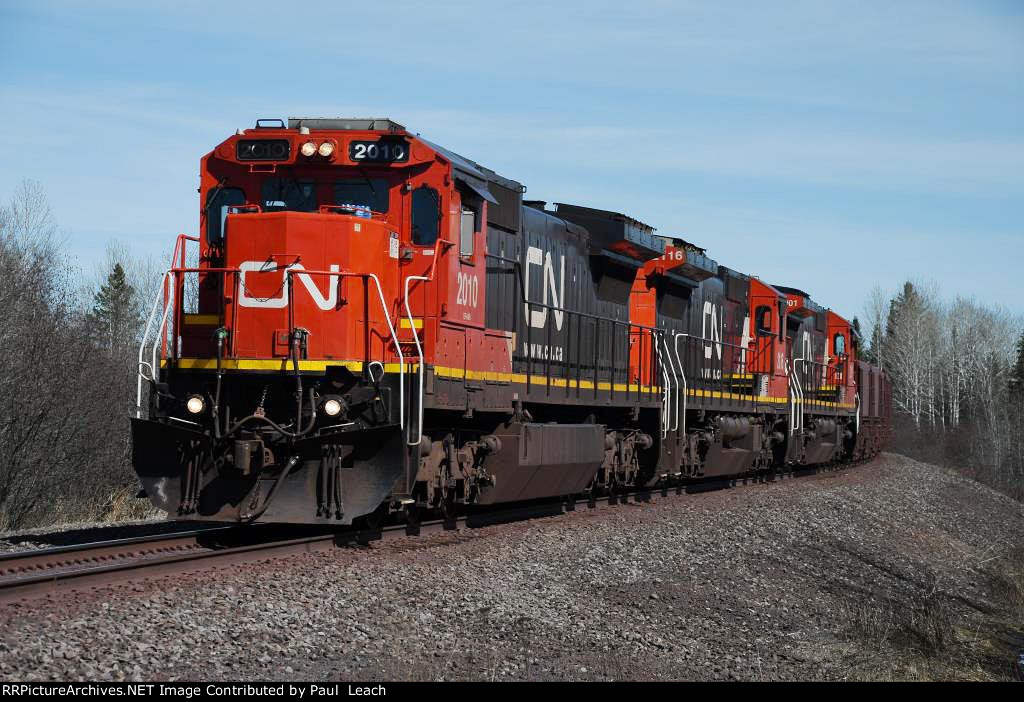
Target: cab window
<point x="467" y="228"/>
<point x="426" y="216"/>
<point x="839" y="345"/>
<point x="764" y="320"/>
<point x="218" y="202"/>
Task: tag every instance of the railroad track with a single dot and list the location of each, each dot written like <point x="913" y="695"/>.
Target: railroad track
<point x="31" y="574"/>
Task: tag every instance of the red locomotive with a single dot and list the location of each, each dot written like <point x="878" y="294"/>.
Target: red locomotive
<point x="375" y="323"/>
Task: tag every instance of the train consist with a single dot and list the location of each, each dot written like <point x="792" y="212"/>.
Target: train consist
<point x="369" y="323"/>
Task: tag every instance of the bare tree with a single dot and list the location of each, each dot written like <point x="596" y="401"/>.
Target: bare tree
<point x="64" y="401"/>
<point x="952" y="369"/>
<point x="877" y="315"/>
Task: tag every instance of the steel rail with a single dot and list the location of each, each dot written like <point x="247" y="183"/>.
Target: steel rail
<point x="32" y="574"/>
<point x="107" y="548"/>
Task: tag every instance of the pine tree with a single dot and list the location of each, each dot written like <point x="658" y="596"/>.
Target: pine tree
<point x="115" y="316"/>
<point x="857" y="338"/>
<point x="907" y="299"/>
<point x="855" y="325"/>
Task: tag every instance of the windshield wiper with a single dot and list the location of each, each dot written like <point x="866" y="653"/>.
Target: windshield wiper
<point x="362" y="172"/>
<point x="212" y="195"/>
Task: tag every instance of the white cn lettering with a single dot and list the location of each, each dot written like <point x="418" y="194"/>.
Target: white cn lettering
<point x="824" y="366"/>
<point x="553" y="290"/>
<point x="711" y="316"/>
<point x="328" y="302"/>
<point x="745" y="341"/>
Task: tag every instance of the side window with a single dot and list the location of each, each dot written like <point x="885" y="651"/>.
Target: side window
<point x="467" y="227"/>
<point x="764" y="320"/>
<point x="218" y="200"/>
<point x="426" y="216"/>
<point x="839" y="345"/>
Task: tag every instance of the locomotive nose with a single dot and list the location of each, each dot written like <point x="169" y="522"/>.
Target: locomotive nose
<point x="324" y="270"/>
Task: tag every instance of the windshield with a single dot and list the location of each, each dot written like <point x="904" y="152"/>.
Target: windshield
<point x="307" y="195"/>
<point x="288" y="194"/>
<point x="371" y="192"/>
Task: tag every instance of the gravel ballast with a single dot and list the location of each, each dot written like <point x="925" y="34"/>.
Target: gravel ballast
<point x="895" y="569"/>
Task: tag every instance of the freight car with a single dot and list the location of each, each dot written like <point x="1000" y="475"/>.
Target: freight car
<point x="371" y="323"/>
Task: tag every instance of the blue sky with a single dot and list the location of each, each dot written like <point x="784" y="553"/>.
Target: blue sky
<point x="830" y="146"/>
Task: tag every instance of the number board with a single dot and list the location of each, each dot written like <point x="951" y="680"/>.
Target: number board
<point x="381" y="151"/>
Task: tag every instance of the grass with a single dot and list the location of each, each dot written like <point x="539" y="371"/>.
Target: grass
<point x="934" y="629"/>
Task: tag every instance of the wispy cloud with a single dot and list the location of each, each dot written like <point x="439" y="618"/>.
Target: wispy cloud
<point x="895" y="126"/>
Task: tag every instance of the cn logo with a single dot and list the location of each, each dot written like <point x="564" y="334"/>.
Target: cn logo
<point x="328" y="302"/>
<point x="553" y="295"/>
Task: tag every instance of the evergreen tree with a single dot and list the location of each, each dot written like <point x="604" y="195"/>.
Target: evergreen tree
<point x="907" y="300"/>
<point x="862" y="348"/>
<point x="855" y="325"/>
<point x="114" y="315"/>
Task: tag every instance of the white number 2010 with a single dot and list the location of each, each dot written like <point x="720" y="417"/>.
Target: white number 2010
<point x="469" y="290"/>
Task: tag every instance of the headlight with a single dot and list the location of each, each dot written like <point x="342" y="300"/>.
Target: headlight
<point x="307" y="149"/>
<point x="195" y="404"/>
<point x="332" y="408"/>
<point x="326" y="149"/>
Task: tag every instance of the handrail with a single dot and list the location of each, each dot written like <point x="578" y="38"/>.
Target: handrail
<point x="416" y="337"/>
<point x="798" y="405"/>
<point x="802" y="409"/>
<point x="142" y="348"/>
<point x="387" y="318"/>
<point x="791" y="394"/>
<point x="615" y="324"/>
<point x="822" y="376"/>
<point x="675" y="380"/>
<point x="672" y="421"/>
<point x="177" y="261"/>
<point x="169" y="276"/>
<point x="667" y="389"/>
<point x="685" y="390"/>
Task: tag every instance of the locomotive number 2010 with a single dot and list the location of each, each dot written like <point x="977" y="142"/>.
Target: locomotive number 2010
<point x="379" y="151"/>
<point x="469" y="290"/>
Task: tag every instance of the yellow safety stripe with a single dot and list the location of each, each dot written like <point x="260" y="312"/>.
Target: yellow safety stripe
<point x="493" y="376"/>
<point x="718" y="395"/>
<point x="403" y="323"/>
<point x="765" y="398"/>
<point x="535" y="380"/>
<point x="279" y="364"/>
<point x="285" y="364"/>
<point x="202" y="319"/>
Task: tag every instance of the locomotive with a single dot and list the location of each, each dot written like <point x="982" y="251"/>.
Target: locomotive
<point x="370" y="323"/>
